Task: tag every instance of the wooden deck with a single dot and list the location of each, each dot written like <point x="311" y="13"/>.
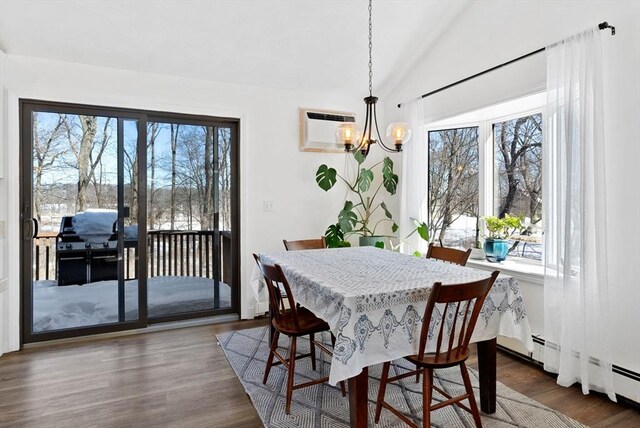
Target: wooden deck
<point x="181" y="378"/>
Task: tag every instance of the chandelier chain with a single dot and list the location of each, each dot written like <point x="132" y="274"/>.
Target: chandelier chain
<point x="370" y="56"/>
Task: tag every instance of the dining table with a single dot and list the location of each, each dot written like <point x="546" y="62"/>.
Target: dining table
<point x="373" y="301"/>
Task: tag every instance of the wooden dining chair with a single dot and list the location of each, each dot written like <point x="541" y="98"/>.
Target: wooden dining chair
<point x="460" y="303"/>
<point x="450" y="255"/>
<point x="292" y="321"/>
<point x="305" y="244"/>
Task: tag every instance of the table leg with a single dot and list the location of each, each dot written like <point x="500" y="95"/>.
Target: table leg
<point x="359" y="399"/>
<point x="487" y="374"/>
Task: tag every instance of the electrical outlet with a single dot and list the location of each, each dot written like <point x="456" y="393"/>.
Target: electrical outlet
<point x="268" y="206"/>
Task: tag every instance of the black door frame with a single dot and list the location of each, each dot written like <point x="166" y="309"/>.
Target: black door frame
<point x="27" y="107"/>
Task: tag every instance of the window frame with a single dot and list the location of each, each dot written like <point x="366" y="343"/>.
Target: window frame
<point x="486" y="150"/>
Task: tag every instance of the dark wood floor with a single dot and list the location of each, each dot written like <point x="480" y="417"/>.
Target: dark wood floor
<point x="181" y="378"/>
<point x="594" y="410"/>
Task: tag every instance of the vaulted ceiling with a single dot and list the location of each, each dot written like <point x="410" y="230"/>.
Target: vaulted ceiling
<point x="306" y="45"/>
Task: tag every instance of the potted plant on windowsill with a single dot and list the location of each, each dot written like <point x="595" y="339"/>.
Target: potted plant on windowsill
<point x="359" y="217"/>
<point x="496" y="245"/>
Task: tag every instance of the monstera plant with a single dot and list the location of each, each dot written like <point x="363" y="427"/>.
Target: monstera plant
<point x="364" y="214"/>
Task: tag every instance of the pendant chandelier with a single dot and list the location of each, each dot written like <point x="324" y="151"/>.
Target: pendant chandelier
<point x="349" y="134"/>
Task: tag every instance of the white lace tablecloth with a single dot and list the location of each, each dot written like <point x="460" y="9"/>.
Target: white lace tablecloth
<point x="374" y="300"/>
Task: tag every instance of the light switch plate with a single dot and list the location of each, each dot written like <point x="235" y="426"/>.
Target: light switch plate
<point x="268" y="206"/>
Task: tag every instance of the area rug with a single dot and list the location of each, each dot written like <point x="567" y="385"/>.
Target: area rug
<point x="322" y="405"/>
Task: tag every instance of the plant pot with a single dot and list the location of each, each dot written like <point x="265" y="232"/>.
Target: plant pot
<point x="370" y="241"/>
<point x="477" y="254"/>
<point x="496" y="249"/>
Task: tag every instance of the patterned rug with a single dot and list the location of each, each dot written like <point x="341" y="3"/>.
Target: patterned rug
<point x="323" y="406"/>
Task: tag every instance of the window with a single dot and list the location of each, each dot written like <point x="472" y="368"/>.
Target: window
<point x="518" y="178"/>
<point x="492" y="165"/>
<point x="453" y="186"/>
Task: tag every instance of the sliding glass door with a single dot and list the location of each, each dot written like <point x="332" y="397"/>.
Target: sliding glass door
<point x="127" y="218"/>
<point x="189" y="200"/>
<point x="73" y="215"/>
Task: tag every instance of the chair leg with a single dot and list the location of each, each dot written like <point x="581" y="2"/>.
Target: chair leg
<point x="292" y="372"/>
<point x="312" y="348"/>
<point x="343" y="389"/>
<point x="382" y="389"/>
<point x="472" y="399"/>
<point x="427" y="390"/>
<point x="418" y="374"/>
<point x="272" y="350"/>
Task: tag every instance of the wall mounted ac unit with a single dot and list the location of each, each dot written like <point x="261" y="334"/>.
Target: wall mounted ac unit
<point x="318" y="130"/>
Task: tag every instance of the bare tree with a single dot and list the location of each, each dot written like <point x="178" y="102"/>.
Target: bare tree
<point x="453" y="177"/>
<point x="153" y="130"/>
<point x="204" y="174"/>
<point x="95" y="162"/>
<point x="88" y="152"/>
<point x="194" y="173"/>
<point x="519" y="150"/>
<point x="175" y="131"/>
<point x="224" y="177"/>
<point x="88" y="124"/>
<point x="206" y="222"/>
<point x="47" y="148"/>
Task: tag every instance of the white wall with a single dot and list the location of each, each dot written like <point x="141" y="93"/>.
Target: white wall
<point x="272" y="167"/>
<point x="490" y="33"/>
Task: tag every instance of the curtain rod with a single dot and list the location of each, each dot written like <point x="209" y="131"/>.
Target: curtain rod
<point x="602" y="26"/>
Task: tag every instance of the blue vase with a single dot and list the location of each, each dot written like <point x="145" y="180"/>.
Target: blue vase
<point x="496" y="249"/>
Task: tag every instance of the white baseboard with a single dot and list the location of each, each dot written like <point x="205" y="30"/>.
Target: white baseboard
<point x="626" y="382"/>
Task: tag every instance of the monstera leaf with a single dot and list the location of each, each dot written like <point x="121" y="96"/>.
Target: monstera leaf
<point x="366" y="177"/>
<point x="389" y="179"/>
<point x="347" y="219"/>
<point x="334" y="236"/>
<point x="359" y="157"/>
<point x="326" y="177"/>
<point x="387" y="166"/>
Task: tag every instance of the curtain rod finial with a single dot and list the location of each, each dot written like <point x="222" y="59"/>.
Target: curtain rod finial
<point x="605" y="25"/>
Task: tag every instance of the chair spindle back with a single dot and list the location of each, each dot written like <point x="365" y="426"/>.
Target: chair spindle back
<point x="305" y="244"/>
<point x="463" y="303"/>
<point x="450" y="255"/>
<point x="279" y="291"/>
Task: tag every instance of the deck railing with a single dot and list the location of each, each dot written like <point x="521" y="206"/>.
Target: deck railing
<point x="169" y="253"/>
<point x="44" y="256"/>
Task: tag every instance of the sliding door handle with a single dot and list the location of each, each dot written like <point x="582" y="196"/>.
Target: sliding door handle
<point x="30" y="229"/>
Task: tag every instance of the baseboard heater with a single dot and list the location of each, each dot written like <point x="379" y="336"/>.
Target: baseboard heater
<point x="630" y="374"/>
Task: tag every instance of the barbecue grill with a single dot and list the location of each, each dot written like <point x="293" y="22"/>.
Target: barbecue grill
<point x="86" y="258"/>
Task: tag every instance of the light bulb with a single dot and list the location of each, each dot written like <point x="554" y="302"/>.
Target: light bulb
<point x="347" y="134"/>
<point x="399" y="133"/>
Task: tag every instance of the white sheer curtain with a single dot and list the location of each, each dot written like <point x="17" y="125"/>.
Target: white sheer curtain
<point x="576" y="279"/>
<point x="4" y="298"/>
<point x="413" y="180"/>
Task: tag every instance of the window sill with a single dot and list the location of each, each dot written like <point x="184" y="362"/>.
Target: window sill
<point x="526" y="270"/>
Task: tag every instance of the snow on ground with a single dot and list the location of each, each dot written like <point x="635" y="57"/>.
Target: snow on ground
<point x="59" y="307"/>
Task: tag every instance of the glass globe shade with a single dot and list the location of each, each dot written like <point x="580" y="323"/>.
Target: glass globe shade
<point x="347" y="133"/>
<point x="398" y="133"/>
